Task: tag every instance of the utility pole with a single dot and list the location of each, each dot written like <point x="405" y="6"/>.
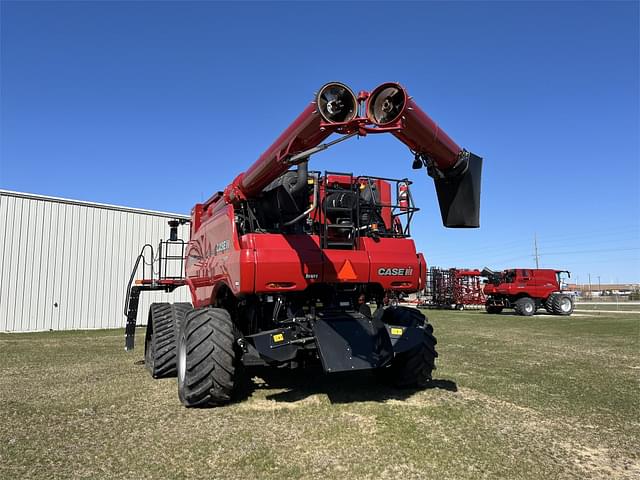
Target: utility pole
<point x="589" y="286"/>
<point x="535" y="250"/>
<point x="599" y="286"/>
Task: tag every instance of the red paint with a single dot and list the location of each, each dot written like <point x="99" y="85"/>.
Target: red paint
<point x="403" y="197"/>
<point x="412" y="127"/>
<point x="219" y="260"/>
<point x="419" y="132"/>
<point x="305" y="132"/>
<point x="537" y="284"/>
<point x="258" y="260"/>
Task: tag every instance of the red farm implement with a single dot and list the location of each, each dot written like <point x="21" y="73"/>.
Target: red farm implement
<point x="453" y="288"/>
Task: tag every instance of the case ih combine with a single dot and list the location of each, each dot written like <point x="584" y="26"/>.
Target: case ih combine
<point x="280" y="261"/>
<point x="526" y="290"/>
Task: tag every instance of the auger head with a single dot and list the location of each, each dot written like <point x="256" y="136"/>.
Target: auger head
<point x="336" y="103"/>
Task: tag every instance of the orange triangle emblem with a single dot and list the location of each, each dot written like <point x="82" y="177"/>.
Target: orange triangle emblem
<point x="347" y="272"/>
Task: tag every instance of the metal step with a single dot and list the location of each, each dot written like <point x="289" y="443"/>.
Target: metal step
<point x="132" y="315"/>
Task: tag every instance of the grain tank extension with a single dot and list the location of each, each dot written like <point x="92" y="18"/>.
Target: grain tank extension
<point x="283" y="262"/>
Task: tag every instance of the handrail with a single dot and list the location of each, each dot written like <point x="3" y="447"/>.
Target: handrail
<point x="133" y="274"/>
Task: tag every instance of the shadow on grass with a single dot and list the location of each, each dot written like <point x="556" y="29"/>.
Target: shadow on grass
<point x="346" y="387"/>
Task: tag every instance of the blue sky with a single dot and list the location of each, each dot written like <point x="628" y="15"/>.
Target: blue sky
<point x="158" y="105"/>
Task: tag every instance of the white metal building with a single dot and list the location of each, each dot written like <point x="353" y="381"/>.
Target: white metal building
<point x="65" y="264"/>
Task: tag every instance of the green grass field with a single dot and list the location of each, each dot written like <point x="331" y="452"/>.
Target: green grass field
<point x="514" y="397"/>
<point x="609" y="306"/>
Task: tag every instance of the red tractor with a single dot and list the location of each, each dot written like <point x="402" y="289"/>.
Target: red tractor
<point x="526" y="290"/>
<point x="282" y="263"/>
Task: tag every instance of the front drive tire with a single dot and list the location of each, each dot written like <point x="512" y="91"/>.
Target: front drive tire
<point x="163" y="326"/>
<point x="208" y="358"/>
<point x="562" y="305"/>
<point x="525" y="306"/>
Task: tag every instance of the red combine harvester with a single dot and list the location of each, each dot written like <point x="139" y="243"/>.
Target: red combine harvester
<point x="281" y="262"/>
<point x="525" y="290"/>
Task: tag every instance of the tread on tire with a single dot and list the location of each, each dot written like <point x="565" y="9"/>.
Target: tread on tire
<point x="562" y="305"/>
<point x="525" y="306"/>
<point x="160" y="340"/>
<point x="208" y="358"/>
<point x="414" y="367"/>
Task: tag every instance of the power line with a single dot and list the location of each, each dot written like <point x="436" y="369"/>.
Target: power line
<point x="572" y="252"/>
<point x="515" y="245"/>
<point x="598" y="232"/>
<point x="599" y="260"/>
<point x="503" y="260"/>
<point x="613" y="242"/>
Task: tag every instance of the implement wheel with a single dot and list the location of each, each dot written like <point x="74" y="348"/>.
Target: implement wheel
<point x="562" y="305"/>
<point x="163" y="325"/>
<point x="525" y="306"/>
<point x="208" y="358"/>
<point x="414" y="367"/>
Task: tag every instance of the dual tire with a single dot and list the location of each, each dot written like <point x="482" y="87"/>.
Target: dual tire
<point x="163" y="326"/>
<point x="208" y="358"/>
<point x="201" y="347"/>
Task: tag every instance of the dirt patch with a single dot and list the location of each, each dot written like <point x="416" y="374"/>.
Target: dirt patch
<point x="265" y="405"/>
<point x="599" y="462"/>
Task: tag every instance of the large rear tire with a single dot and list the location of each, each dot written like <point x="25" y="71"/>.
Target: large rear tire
<point x="208" y="358"/>
<point x="412" y="368"/>
<point x="525" y="306"/>
<point x="562" y="305"/>
<point x="160" y="340"/>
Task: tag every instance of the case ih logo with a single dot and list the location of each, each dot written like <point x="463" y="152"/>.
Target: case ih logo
<point x="395" y="272"/>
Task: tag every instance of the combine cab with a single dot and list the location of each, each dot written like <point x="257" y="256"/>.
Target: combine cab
<point x="527" y="290"/>
<point x="282" y="263"/>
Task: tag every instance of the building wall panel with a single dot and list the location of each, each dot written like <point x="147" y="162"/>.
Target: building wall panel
<point x="65" y="264"/>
